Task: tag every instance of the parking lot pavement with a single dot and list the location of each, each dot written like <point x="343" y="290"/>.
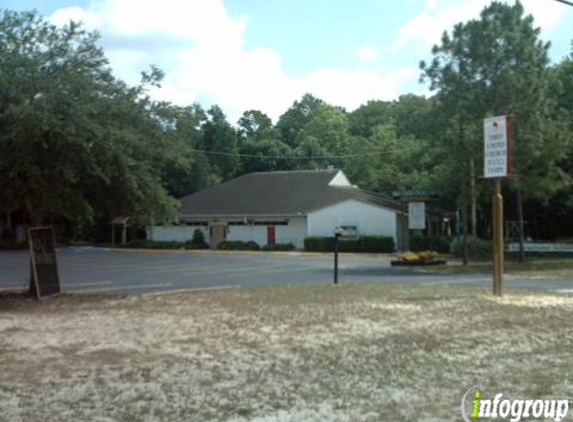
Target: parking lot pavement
<point x="100" y="270"/>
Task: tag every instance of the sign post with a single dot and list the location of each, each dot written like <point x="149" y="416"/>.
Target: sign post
<point x="416" y="208"/>
<point x="497" y="164"/>
<point x="44" y="266"/>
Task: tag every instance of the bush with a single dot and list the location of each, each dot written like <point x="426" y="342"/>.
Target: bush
<point x="319" y="244"/>
<point x="431" y="242"/>
<point x="150" y="244"/>
<point x="477" y="248"/>
<point x="362" y="244"/>
<point x="383" y="244"/>
<point x="5" y="246"/>
<point x="198" y="237"/>
<point x="239" y="245"/>
<point x="279" y="247"/>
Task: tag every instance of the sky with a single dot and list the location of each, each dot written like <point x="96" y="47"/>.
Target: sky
<point x="265" y="54"/>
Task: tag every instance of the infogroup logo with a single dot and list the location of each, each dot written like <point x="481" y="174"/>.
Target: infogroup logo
<point x="476" y="406"/>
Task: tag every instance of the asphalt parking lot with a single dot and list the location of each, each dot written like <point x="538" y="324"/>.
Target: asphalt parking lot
<point x="99" y="270"/>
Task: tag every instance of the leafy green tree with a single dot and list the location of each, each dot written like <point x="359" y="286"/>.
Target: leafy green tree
<point x="266" y="155"/>
<point x="493" y="65"/>
<point x="73" y="139"/>
<point x="296" y="118"/>
<point x="329" y="124"/>
<point x="365" y="118"/>
<point x="255" y="125"/>
<point x="220" y="141"/>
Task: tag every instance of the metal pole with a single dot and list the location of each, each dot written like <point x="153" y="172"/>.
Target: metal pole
<point x="497" y="239"/>
<point x="336" y="258"/>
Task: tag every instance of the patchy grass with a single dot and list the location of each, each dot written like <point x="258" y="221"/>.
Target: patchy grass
<point x="355" y="352"/>
<point x="561" y="267"/>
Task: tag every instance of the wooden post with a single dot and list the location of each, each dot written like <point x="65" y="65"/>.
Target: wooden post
<point x="124" y="233"/>
<point x="497" y="223"/>
<point x="112" y="235"/>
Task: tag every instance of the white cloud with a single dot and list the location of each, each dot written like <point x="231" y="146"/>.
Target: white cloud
<point x="365" y="52"/>
<point x="202" y="51"/>
<point x="425" y="29"/>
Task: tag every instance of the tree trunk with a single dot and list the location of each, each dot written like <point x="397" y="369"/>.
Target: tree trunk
<point x="520" y="224"/>
<point x="473" y="194"/>
<point x="465" y="234"/>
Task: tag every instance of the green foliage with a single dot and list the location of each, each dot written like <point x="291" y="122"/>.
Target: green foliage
<point x="220" y="139"/>
<point x="493" y="65"/>
<point x="382" y="244"/>
<point x="7" y="246"/>
<point x="265" y="155"/>
<point x="370" y="244"/>
<point x="198" y="237"/>
<point x="239" y="245"/>
<point x="432" y="243"/>
<point x="150" y="244"/>
<point x="477" y="248"/>
<point x="75" y="141"/>
<point x="318" y="244"/>
<point x="296" y="118"/>
<point x="279" y="247"/>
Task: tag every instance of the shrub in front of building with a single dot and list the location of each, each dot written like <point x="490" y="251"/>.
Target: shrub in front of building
<point x="237" y="245"/>
<point x="279" y="247"/>
<point x="430" y="242"/>
<point x="477" y="248"/>
<point x="371" y="244"/>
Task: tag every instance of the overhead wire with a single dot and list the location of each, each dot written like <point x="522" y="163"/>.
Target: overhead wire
<point x="292" y="157"/>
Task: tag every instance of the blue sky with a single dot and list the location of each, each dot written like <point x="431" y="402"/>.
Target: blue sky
<point x="264" y="54"/>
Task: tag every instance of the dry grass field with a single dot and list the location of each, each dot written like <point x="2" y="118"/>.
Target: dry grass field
<point x="355" y="352"/>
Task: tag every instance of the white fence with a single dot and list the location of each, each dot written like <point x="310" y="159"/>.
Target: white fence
<point x="541" y="247"/>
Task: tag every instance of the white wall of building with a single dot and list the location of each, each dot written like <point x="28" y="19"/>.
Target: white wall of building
<point x="175" y="233"/>
<point x="368" y="219"/>
<point x="294" y="232"/>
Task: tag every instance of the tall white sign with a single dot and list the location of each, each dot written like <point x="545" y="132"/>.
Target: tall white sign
<point x="416" y="215"/>
<point x="497" y="147"/>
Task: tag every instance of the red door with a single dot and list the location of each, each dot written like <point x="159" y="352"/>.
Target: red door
<point x="271" y="235"/>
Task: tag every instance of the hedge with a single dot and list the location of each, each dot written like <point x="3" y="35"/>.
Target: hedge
<point x="6" y="246"/>
<point x="477" y="248"/>
<point x="150" y="244"/>
<point x="361" y="244"/>
<point x="430" y="243"/>
<point x="279" y="247"/>
<point x="239" y="245"/>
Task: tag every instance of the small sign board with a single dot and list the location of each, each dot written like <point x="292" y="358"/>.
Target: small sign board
<point x="42" y="242"/>
<point x="416" y="195"/>
<point x="497" y="147"/>
<point x="417" y="215"/>
<point x="346" y="232"/>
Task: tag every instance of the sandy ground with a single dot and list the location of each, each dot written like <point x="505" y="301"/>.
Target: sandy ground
<point x="299" y="353"/>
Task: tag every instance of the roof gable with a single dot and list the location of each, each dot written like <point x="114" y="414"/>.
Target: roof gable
<point x="273" y="193"/>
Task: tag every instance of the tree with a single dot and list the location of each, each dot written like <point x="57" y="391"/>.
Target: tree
<point x="74" y="141"/>
<point x="496" y="65"/>
<point x="255" y="125"/>
<point x="220" y="141"/>
<point x="266" y="155"/>
<point x="365" y="118"/>
<point x="296" y="118"/>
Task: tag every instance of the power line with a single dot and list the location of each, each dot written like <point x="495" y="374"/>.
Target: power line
<point x="568" y="3"/>
<point x="292" y="157"/>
